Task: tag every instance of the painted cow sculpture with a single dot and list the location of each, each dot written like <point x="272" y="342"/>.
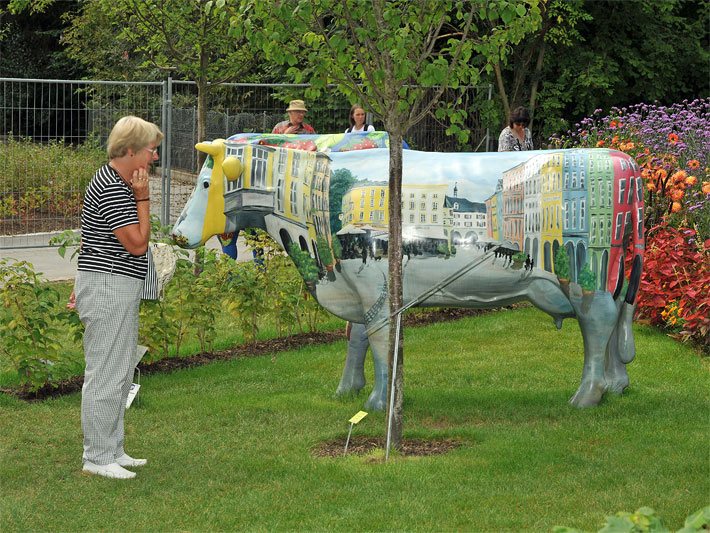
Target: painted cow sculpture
<point x="480" y="230"/>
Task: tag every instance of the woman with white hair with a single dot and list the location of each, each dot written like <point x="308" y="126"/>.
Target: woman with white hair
<point x="112" y="266"/>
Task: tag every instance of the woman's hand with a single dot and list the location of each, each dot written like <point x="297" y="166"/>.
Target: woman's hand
<point x="71" y="304"/>
<point x="140" y="184"/>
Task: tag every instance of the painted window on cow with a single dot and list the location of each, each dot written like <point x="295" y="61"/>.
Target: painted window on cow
<point x="294" y="198"/>
<point x="592" y="194"/>
<point x="617" y="230"/>
<point x="280" y="193"/>
<point x="639" y="223"/>
<point x="609" y="195"/>
<point x="582" y="213"/>
<point x="601" y="193"/>
<point x="622" y="189"/>
<point x="281" y="165"/>
<point x="258" y="168"/>
<point x="295" y="162"/>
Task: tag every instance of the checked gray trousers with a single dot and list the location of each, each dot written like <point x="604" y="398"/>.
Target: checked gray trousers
<point x="108" y="307"/>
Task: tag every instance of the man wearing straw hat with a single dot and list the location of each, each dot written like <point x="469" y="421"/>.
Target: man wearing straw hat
<point x="296" y="112"/>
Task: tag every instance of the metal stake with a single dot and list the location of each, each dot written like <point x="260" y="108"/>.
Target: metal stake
<point x="394" y="376"/>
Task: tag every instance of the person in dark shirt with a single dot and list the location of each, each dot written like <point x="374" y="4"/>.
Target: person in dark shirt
<point x="296" y="113"/>
<point x="112" y="265"/>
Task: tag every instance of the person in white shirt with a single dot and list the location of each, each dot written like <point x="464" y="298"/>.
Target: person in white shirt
<point x="357" y="121"/>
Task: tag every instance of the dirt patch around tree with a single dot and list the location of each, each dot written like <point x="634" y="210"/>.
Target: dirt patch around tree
<point x="258" y="349"/>
<point x="360" y="445"/>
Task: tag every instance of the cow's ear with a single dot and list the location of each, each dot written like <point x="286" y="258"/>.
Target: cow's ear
<point x="232" y="168"/>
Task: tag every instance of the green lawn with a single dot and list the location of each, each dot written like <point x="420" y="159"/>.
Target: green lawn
<point x="230" y="444"/>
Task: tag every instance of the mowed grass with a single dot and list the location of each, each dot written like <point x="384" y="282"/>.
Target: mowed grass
<point x="230" y="444"/>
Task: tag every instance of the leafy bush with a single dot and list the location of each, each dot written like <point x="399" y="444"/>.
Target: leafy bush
<point x="562" y="263"/>
<point x="645" y="520"/>
<point x="587" y="279"/>
<point x="35" y="325"/>
<point x="675" y="286"/>
<point x="47" y="178"/>
<point x="672" y="146"/>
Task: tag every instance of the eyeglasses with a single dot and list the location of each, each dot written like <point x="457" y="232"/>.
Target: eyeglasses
<point x="153" y="151"/>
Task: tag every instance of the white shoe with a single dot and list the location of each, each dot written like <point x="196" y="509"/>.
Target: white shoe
<point x="128" y="461"/>
<point x="113" y="470"/>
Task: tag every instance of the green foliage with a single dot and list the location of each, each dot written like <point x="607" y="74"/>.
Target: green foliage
<point x="324" y="252"/>
<point x="66" y="239"/>
<point x="520" y="257"/>
<point x="562" y="263"/>
<point x="587" y="279"/>
<point x="416" y="46"/>
<point x="645" y="520"/>
<point x="44" y="177"/>
<point x="305" y="264"/>
<point x="35" y="322"/>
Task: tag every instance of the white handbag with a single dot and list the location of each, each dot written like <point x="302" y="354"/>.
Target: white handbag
<point x="161" y="267"/>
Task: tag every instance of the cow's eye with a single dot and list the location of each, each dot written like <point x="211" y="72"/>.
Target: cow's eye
<point x="206" y="185"/>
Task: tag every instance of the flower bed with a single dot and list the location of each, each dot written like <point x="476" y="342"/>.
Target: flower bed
<point x="672" y="146"/>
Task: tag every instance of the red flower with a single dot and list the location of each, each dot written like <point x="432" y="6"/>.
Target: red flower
<point x="672" y="138"/>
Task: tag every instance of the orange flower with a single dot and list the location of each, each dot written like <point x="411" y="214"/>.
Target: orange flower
<point x="627" y="146"/>
<point x="601" y="143"/>
<point x="677" y="194"/>
<point x="613" y="124"/>
<point x="615" y="139"/>
<point x="661" y="174"/>
<point x="693" y="164"/>
<point x="690" y="181"/>
<point x="651" y="186"/>
<point x="679" y="176"/>
<point x="672" y="138"/>
<point x="676" y="207"/>
<point x="706" y="187"/>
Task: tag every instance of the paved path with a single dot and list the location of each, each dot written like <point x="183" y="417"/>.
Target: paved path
<point x="33" y="249"/>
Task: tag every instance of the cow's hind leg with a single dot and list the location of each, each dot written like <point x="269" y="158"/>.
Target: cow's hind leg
<point x="597" y="316"/>
<point x="353" y="379"/>
<point x="622" y="347"/>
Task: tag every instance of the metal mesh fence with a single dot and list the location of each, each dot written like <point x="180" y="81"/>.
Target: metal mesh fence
<point x="53" y="135"/>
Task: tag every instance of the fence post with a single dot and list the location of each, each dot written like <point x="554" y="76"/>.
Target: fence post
<point x="166" y="153"/>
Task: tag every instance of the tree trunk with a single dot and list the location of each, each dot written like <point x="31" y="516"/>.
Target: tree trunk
<point x="202" y="88"/>
<point x="501" y="92"/>
<point x="394" y="255"/>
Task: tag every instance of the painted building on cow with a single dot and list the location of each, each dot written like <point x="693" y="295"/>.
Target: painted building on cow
<point x="581" y="200"/>
<point x="366" y="203"/>
<point x="550" y="219"/>
<point x="287" y="188"/>
<point x="470" y="221"/>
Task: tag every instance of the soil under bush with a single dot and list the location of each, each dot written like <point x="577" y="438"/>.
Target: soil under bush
<point x="257" y="349"/>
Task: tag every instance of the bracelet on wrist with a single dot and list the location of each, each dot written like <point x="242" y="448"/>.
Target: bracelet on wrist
<point x="143" y="200"/>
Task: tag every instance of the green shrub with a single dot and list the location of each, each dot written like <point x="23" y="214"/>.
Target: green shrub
<point x="35" y="324"/>
<point x="562" y="263"/>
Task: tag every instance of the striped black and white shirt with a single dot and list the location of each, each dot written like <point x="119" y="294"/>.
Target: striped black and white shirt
<point x="109" y="204"/>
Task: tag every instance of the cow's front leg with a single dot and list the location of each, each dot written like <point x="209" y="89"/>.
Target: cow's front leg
<point x="353" y="379"/>
<point x="597" y="315"/>
<point x="379" y="343"/>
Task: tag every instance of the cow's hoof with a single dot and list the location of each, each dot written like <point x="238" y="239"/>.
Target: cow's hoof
<point x="588" y="395"/>
<point x="375" y="403"/>
<point x="349" y="391"/>
<point x="617" y="386"/>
